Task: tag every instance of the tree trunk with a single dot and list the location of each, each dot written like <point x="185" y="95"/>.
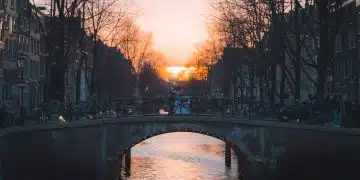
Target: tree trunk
<point x="281" y="37"/>
<point x="261" y="88"/>
<point x="95" y="90"/>
<point x="274" y="51"/>
<point x="282" y="82"/>
<point x="297" y="62"/>
<point x="324" y="48"/>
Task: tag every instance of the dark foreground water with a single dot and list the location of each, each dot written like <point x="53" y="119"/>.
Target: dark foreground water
<point x="181" y="156"/>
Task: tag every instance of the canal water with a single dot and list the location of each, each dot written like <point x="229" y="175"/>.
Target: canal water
<point x="181" y="156"/>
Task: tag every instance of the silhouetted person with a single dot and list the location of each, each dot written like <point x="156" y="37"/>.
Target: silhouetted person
<point x="171" y="101"/>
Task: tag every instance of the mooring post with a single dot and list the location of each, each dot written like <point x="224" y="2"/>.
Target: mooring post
<point x="228" y="154"/>
<point x="127" y="162"/>
<point x="112" y="169"/>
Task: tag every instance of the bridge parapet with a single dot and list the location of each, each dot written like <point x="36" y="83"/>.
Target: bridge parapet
<point x="135" y="107"/>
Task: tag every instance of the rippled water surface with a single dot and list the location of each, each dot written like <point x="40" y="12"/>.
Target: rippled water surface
<point x="181" y="156"/>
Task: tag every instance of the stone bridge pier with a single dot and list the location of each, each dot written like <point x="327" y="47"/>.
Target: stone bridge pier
<point x="92" y="150"/>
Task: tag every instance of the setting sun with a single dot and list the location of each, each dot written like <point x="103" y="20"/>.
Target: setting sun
<point x="180" y="72"/>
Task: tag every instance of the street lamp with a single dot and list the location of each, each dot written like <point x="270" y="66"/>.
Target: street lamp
<point x="21" y="64"/>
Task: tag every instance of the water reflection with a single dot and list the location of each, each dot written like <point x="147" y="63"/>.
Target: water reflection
<point x="181" y="156"/>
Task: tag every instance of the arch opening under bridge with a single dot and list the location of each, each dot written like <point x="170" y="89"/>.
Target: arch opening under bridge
<point x="242" y="159"/>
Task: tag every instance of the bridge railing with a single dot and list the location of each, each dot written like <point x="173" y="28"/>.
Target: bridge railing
<point x="184" y="106"/>
<point x="146" y="106"/>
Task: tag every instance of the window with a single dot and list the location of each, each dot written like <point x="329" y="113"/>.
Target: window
<point x="21" y="42"/>
<point x="14" y="24"/>
<point x="6" y="22"/>
<point x="351" y="39"/>
<point x="7" y="50"/>
<point x="26" y="44"/>
<point x="42" y="67"/>
<point x="313" y="44"/>
<point x="37" y="70"/>
<point x="345" y="67"/>
<point x="21" y="23"/>
<point x="11" y="50"/>
<point x="37" y="47"/>
<point x="7" y="86"/>
<point x="27" y="68"/>
<point x="11" y="24"/>
<point x="338" y="43"/>
<point x="12" y="4"/>
<point x="36" y="25"/>
<point x="31" y="45"/>
<point x="318" y="41"/>
<point x="26" y="25"/>
<point x="337" y="68"/>
<point x="350" y="14"/>
<point x="350" y="65"/>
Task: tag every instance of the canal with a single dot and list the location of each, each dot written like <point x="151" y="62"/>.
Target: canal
<point x="181" y="156"/>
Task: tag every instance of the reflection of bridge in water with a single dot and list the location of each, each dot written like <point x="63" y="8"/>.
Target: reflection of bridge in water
<point x="94" y="149"/>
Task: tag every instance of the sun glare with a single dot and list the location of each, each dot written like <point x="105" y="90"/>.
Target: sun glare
<point x="180" y="71"/>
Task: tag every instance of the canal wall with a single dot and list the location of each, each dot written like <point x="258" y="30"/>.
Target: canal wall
<point x="66" y="154"/>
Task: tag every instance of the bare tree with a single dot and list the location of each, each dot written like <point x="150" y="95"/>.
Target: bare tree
<point x="306" y="51"/>
<point x="244" y="24"/>
<point x="284" y="34"/>
<point x="101" y="20"/>
<point x="134" y="43"/>
<point x="99" y="17"/>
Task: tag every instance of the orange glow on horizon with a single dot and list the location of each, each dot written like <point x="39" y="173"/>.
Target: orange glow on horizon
<point x="180" y="72"/>
<point x="177" y="26"/>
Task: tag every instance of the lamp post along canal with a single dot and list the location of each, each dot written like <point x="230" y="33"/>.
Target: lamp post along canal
<point x="22" y="84"/>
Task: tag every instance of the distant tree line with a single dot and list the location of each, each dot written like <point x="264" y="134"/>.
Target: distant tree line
<point x="115" y="76"/>
<point x="151" y="84"/>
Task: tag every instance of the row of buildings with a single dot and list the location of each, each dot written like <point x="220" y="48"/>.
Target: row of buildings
<point x="29" y="58"/>
<point x="20" y="34"/>
<point x="342" y="75"/>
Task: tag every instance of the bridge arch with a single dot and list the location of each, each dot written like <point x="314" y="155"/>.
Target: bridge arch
<point x="143" y="131"/>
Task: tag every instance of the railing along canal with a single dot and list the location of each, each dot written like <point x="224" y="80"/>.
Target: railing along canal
<point x="146" y="106"/>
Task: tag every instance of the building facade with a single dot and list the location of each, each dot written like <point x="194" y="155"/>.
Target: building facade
<point x="2" y="47"/>
<point x="345" y="67"/>
<point x="21" y="36"/>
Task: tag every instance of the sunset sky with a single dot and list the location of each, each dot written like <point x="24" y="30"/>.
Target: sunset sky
<point x="177" y="25"/>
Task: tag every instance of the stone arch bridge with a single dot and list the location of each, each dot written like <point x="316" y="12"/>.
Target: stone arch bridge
<point x="92" y="149"/>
